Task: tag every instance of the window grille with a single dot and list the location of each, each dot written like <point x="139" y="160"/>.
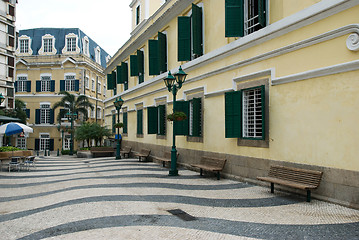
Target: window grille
<point x="252" y="113"/>
<point x="67" y="142"/>
<point x="44" y="141"/>
<point x="24" y="46"/>
<point x="45" y="113"/>
<point x="48" y="45"/>
<point x="21" y="142"/>
<point x="45" y="84"/>
<point x="251" y="16"/>
<point x="21" y="84"/>
<point x="70" y="83"/>
<point x="71" y="44"/>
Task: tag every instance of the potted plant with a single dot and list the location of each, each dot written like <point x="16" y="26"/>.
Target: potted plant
<point x="118" y="125"/>
<point x="176" y="116"/>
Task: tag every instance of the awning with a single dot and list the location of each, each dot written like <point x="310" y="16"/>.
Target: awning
<point x="6" y="119"/>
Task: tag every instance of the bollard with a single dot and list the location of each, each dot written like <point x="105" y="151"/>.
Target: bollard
<point x="45" y="153"/>
<point x="58" y="152"/>
<point x="37" y="153"/>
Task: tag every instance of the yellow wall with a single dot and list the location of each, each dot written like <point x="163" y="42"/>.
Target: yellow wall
<point x="311" y="121"/>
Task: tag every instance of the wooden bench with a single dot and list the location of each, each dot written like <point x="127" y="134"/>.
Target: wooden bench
<point x="293" y="177"/>
<point x="143" y="154"/>
<point x="102" y="151"/>
<point x="211" y="164"/>
<point x="166" y="158"/>
<point x="126" y="151"/>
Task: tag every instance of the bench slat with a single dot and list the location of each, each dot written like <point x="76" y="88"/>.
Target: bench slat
<point x="211" y="164"/>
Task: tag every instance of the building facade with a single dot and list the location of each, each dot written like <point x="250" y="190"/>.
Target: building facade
<point x="50" y="60"/>
<point x="7" y="51"/>
<point x="269" y="82"/>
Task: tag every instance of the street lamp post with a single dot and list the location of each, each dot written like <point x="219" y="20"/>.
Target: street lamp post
<point x="180" y="77"/>
<point x="71" y="117"/>
<point x="118" y="104"/>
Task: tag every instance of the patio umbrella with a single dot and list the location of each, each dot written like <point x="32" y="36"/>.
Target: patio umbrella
<point x="13" y="128"/>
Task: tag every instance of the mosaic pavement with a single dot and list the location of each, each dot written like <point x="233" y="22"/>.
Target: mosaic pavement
<point x="104" y="198"/>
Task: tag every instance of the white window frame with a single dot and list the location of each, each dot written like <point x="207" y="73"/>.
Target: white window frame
<point x="24" y="45"/>
<point x="87" y="82"/>
<point x="45" y="109"/>
<point x="67" y="141"/>
<point x="52" y="46"/>
<point x="252" y="113"/>
<point x="70" y="82"/>
<point x="250" y="20"/>
<point x="19" y="50"/>
<point x="86" y="46"/>
<point x="98" y="87"/>
<point x="99" y="110"/>
<point x="71" y="44"/>
<point x="22" y="83"/>
<point x="46" y="83"/>
<point x="93" y="84"/>
<point x="44" y="141"/>
<point x="104" y="90"/>
<point x="98" y="55"/>
<point x="21" y="142"/>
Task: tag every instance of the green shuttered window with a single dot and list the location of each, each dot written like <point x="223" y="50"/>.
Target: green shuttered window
<point x="141" y="66"/>
<point x="140" y="122"/>
<point x="197" y="30"/>
<point x="133" y="66"/>
<point x="245" y="113"/>
<point x="184" y="39"/>
<point x="195" y="117"/>
<point x="119" y="79"/>
<point x="153" y="57"/>
<point x="124" y="129"/>
<point x="162" y="52"/>
<point x="109" y="82"/>
<point x="234" y="21"/>
<point x="182" y="127"/>
<point x="156" y="120"/>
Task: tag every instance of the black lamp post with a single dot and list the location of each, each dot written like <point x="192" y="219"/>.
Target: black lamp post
<point x="118" y="104"/>
<point x="180" y="77"/>
<point x="71" y="117"/>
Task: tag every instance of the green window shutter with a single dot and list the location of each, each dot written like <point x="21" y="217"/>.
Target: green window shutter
<point x="263" y="110"/>
<point x="153" y="57"/>
<point x="262" y="12"/>
<point x="141" y="66"/>
<point x="152" y="120"/>
<point x="133" y="66"/>
<point x="62" y="85"/>
<point x="197" y="118"/>
<point x="109" y="82"/>
<point x="126" y="86"/>
<point x="184" y="39"/>
<point x="114" y="77"/>
<point x="162" y="52"/>
<point x="197" y="35"/>
<point x="234" y="22"/>
<point x="77" y="85"/>
<point x="162" y="120"/>
<point x="118" y="76"/>
<point x="181" y="127"/>
<point x="140" y="121"/>
<point x="113" y="123"/>
<point x="124" y="72"/>
<point x="124" y="129"/>
<point x="233" y="114"/>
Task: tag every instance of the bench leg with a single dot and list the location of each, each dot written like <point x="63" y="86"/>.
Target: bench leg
<point x="308" y="195"/>
<point x="218" y="175"/>
<point x="272" y="187"/>
<point x="200" y="172"/>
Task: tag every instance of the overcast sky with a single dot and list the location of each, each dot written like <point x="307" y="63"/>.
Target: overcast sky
<point x="107" y="22"/>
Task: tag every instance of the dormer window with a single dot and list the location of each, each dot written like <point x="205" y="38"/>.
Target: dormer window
<point x="71" y="47"/>
<point x="86" y="46"/>
<point x="24" y="45"/>
<point x="48" y="45"/>
<point x="98" y="55"/>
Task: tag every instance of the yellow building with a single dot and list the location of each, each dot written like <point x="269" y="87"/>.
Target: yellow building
<point x="269" y="82"/>
<point x="50" y="60"/>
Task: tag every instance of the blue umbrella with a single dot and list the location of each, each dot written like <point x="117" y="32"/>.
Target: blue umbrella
<point x="14" y="128"/>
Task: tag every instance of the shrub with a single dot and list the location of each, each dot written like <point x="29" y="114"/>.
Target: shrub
<point x="9" y="149"/>
<point x="67" y="152"/>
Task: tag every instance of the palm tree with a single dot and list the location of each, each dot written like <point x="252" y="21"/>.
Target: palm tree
<point x="74" y="105"/>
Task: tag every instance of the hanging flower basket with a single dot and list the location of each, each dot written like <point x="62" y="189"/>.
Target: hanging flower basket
<point x="118" y="125"/>
<point x="177" y="116"/>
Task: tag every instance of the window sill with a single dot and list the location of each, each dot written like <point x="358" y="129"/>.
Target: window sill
<point x="253" y="143"/>
<point x="161" y="137"/>
<point x="139" y="135"/>
<point x="194" y="139"/>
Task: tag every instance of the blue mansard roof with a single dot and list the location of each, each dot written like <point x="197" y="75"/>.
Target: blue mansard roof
<point x="59" y="34"/>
